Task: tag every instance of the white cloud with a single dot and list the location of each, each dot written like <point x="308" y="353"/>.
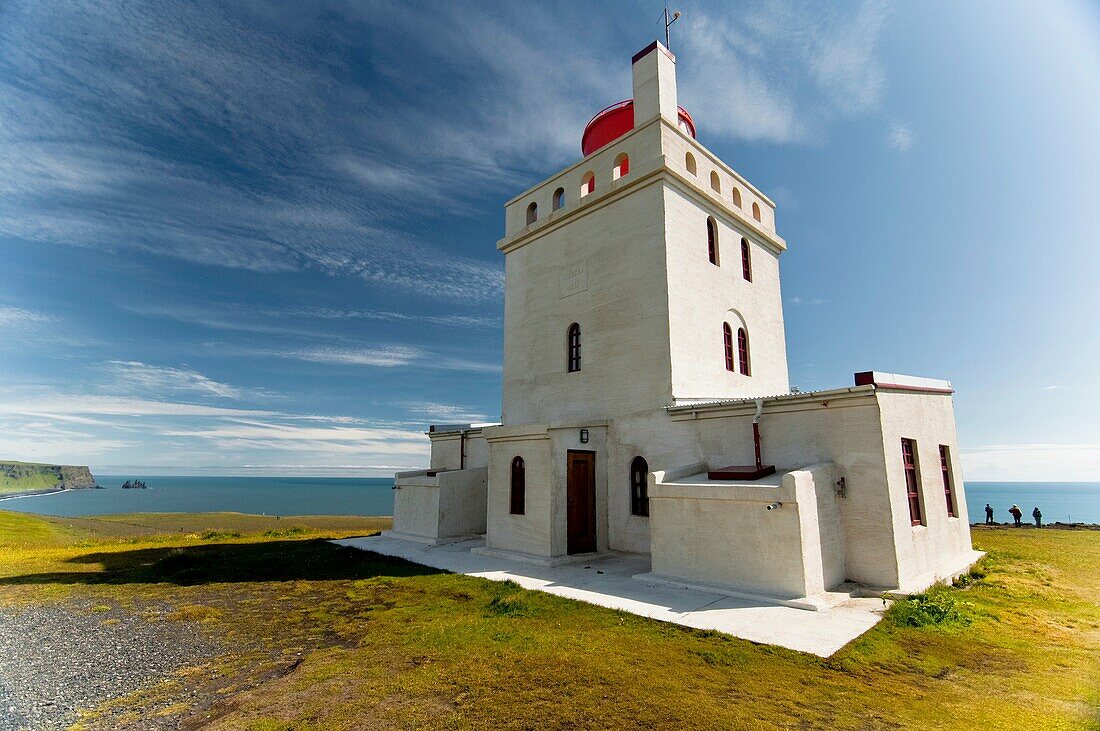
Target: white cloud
<point x="781" y="71"/>
<point x="17" y="316"/>
<point x="1032" y="462"/>
<point x="166" y="379"/>
<point x="389" y="356"/>
<point x="901" y="137"/>
<point x="243" y="90"/>
<point x="43" y="425"/>
<point x="445" y="413"/>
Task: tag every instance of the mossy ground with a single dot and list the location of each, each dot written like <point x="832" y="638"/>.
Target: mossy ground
<point x="323" y="637"/>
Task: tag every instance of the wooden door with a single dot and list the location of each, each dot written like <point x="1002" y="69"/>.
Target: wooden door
<point x="581" y="499"/>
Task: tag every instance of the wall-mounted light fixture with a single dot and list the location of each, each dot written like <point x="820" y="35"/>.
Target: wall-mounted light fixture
<point x="584" y="436"/>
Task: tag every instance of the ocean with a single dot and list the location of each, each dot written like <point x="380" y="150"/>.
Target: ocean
<point x="260" y="495"/>
<point x="1077" y="502"/>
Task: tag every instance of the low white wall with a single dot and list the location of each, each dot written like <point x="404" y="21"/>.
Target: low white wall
<point x="822" y="533"/>
<point x="444" y="505"/>
<point x="416" y="505"/>
<point x="723" y="534"/>
<point x="462" y="496"/>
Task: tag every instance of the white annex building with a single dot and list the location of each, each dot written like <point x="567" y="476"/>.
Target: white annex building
<point x="646" y="403"/>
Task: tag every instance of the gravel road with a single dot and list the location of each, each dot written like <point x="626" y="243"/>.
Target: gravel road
<point x="56" y="659"/>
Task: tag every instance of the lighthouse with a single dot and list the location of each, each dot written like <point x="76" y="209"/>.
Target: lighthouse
<point x="644" y="354"/>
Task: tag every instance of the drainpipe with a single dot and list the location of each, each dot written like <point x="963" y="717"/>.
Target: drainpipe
<point x="462" y="450"/>
<point x="756" y="431"/>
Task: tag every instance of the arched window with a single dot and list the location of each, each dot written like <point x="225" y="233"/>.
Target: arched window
<point x="559" y="199"/>
<point x="639" y="489"/>
<point x="743" y="351"/>
<point x="689" y="161"/>
<point x="727" y="342"/>
<point x="532" y="213"/>
<point x="519" y="488"/>
<point x="622" y="166"/>
<point x="736" y="196"/>
<point x="712" y="241"/>
<point x="588" y="183"/>
<point x="573" y="348"/>
<point x="756" y="211"/>
<point x="715" y="181"/>
<point x="746" y="260"/>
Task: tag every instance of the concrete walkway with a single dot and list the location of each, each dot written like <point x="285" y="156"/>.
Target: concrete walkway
<point x="607" y="580"/>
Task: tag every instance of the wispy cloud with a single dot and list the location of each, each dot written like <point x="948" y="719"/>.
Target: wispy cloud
<point x="94" y="428"/>
<point x="135" y="375"/>
<point x="781" y="71"/>
<point x="901" y="137"/>
<point x="445" y="412"/>
<point x="240" y="176"/>
<point x="388" y="356"/>
<point x="813" y="301"/>
<point x="17" y="316"/>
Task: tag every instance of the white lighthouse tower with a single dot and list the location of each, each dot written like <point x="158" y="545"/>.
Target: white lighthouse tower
<point x="644" y="352"/>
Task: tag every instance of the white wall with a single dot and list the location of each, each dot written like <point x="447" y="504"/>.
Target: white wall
<point x="703" y="296"/>
<point x="618" y="301"/>
<point x="445" y="505"/>
<point x="462" y="502"/>
<point x="531" y="532"/>
<point x="446" y="448"/>
<point x="938" y="549"/>
<point x="416" y="506"/>
<point x="723" y="534"/>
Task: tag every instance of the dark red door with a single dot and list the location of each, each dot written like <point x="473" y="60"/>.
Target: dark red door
<point x="581" y="496"/>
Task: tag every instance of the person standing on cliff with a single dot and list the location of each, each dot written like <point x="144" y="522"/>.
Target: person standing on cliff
<point x="1016" y="514"/>
<point x="988" y="514"/>
<point x="1038" y="517"/>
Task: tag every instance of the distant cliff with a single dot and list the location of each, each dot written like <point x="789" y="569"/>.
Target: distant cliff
<point x="19" y="477"/>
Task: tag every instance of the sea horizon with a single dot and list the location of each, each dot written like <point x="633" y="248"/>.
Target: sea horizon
<point x="1067" y="502"/>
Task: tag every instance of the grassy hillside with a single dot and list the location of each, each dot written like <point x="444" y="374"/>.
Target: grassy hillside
<point x="27" y="477"/>
<point x="323" y="637"/>
<point x="19" y="477"/>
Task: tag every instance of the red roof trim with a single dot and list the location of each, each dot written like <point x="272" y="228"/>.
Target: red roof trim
<point x="646" y="51"/>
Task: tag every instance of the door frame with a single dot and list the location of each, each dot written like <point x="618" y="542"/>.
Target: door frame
<point x="588" y="546"/>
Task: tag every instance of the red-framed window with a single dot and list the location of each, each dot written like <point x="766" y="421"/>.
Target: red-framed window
<point x="945" y="469"/>
<point x="743" y="351"/>
<point x="573" y="348"/>
<point x="712" y="241"/>
<point x="727" y="340"/>
<point x="746" y="261"/>
<point x="519" y="487"/>
<point x="639" y="489"/>
<point x="912" y="480"/>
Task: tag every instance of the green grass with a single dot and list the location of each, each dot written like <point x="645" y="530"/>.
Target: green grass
<point x="323" y="637"/>
<point x="35" y="481"/>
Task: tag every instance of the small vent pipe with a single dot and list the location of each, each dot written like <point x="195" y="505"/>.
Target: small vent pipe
<point x="756" y="432"/>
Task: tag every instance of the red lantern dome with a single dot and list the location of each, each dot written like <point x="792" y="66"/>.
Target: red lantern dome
<point x="613" y="122"/>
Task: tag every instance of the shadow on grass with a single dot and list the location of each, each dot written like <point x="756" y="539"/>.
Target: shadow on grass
<point x="312" y="560"/>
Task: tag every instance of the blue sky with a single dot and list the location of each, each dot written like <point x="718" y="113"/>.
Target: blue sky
<point x="260" y="239"/>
